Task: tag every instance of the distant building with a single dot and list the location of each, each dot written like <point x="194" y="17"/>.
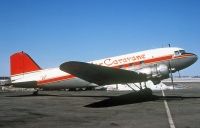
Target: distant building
<point x="4" y="80"/>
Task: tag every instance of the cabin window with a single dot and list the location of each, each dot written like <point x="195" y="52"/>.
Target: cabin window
<point x="131" y="64"/>
<point x="121" y="66"/>
<point x="141" y="62"/>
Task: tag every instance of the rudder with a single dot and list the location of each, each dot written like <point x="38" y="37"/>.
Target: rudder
<point x="21" y="62"/>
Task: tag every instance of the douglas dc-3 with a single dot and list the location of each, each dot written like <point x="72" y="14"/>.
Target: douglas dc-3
<point x="155" y="65"/>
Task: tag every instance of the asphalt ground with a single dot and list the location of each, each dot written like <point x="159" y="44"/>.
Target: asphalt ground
<point x="101" y="109"/>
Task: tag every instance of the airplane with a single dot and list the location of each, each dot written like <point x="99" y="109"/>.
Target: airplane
<point x="155" y="65"/>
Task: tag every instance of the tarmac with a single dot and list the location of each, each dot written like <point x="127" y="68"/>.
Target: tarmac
<point x="102" y="109"/>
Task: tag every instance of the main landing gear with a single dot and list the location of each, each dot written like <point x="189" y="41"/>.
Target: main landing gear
<point x="35" y="93"/>
<point x="142" y="91"/>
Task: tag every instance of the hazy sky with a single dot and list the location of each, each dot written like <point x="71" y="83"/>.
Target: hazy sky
<point x="55" y="31"/>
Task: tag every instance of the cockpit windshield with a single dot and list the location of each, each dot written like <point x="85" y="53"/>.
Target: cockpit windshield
<point x="180" y="52"/>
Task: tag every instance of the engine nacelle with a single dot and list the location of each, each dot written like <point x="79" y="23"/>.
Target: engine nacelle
<point x="156" y="72"/>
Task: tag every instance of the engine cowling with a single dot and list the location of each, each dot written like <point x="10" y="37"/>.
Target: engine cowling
<point x="156" y="72"/>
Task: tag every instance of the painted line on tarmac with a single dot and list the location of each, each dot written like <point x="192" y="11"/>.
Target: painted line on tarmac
<point x="170" y="120"/>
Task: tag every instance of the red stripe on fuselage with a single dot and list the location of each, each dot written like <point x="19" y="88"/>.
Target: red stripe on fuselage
<point x="153" y="60"/>
<point x="184" y="55"/>
<point x="56" y="79"/>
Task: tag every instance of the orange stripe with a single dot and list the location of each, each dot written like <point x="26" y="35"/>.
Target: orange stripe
<point x="138" y="63"/>
<point x="158" y="59"/>
<point x="56" y="79"/>
<point x="25" y="73"/>
<point x="184" y="55"/>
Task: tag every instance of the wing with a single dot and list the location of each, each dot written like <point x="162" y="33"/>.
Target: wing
<point x="101" y="75"/>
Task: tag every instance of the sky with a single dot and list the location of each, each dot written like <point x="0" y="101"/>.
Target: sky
<point x="56" y="31"/>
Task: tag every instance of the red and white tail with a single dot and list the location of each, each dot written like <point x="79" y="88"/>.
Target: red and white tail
<point x="21" y="63"/>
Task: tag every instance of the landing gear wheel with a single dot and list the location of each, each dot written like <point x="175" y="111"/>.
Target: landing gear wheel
<point x="35" y="93"/>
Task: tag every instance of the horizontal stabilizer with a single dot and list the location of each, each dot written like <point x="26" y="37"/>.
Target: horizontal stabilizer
<point x="29" y="84"/>
<point x="101" y="75"/>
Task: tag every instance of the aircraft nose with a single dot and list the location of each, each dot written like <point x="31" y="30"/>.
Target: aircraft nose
<point x="187" y="60"/>
<point x="194" y="58"/>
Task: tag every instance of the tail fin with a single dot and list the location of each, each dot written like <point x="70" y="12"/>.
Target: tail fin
<point x="21" y="62"/>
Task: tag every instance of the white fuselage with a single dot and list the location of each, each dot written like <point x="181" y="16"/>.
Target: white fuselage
<point x="54" y="78"/>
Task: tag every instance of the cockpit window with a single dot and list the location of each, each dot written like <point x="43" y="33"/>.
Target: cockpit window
<point x="182" y="52"/>
<point x="176" y="53"/>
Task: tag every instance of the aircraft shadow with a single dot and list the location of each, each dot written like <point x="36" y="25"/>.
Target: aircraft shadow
<point x="130" y="98"/>
<point x="133" y="98"/>
<point x="46" y="95"/>
<point x="31" y="95"/>
<point x="111" y="101"/>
